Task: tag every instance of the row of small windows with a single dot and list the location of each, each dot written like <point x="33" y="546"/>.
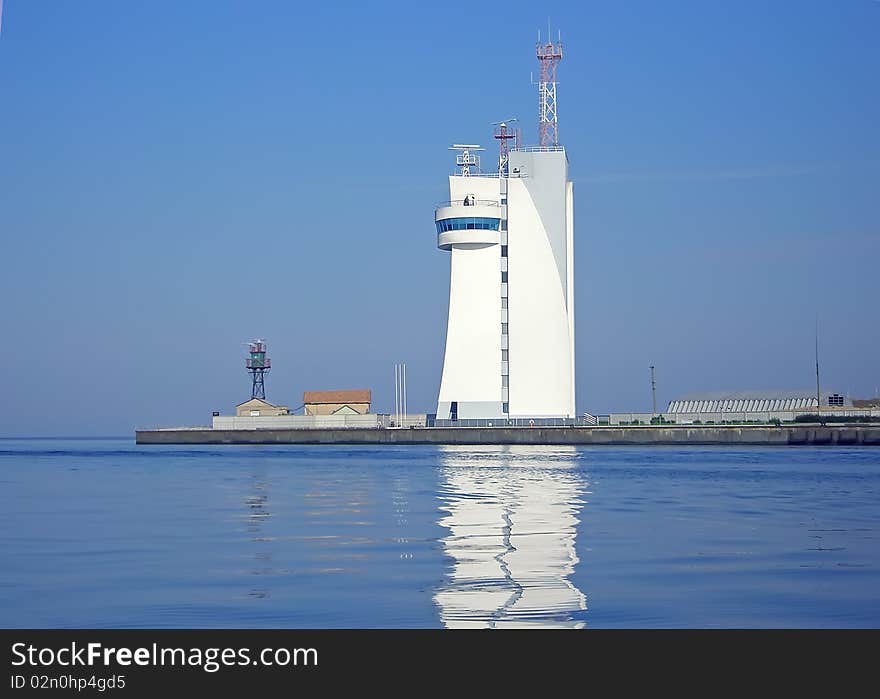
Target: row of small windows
<point x="468" y="223"/>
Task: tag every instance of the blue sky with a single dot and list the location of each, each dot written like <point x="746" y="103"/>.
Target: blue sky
<point x="179" y="177"/>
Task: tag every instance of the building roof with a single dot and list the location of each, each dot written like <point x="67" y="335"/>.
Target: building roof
<point x="356" y="395"/>
<point x="260" y="401"/>
<point x="768" y="394"/>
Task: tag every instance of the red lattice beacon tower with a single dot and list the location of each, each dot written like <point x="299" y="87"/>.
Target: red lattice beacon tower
<point x="549" y="54"/>
<point x="504" y="132"/>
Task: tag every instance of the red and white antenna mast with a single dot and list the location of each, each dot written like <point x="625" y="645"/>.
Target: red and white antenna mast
<point x="549" y="54"/>
<point x="504" y="133"/>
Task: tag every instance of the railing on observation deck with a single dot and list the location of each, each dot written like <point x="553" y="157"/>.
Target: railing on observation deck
<point x="471" y="202"/>
<point x="477" y="174"/>
<point x="537" y="149"/>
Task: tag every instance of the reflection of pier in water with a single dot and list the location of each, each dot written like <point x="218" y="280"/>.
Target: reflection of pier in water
<point x="512" y="514"/>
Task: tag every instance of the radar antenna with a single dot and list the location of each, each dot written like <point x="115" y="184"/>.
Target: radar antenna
<point x="466" y="158"/>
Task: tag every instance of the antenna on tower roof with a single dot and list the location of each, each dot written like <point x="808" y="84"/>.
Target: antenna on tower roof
<point x="549" y="54"/>
<point x="466" y="159"/>
<point x="504" y="133"/>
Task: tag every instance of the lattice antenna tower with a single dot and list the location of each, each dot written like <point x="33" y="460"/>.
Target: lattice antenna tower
<point x="549" y="54"/>
<point x="258" y="364"/>
<point x="504" y="133"/>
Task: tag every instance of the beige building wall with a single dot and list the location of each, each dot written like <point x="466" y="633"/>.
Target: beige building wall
<point x="331" y="408"/>
<point x="255" y="407"/>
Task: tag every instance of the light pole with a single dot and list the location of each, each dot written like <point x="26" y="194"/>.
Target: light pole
<point x="818" y="393"/>
<point x="653" y="394"/>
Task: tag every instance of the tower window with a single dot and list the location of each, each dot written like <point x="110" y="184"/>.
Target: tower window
<point x="503" y="277"/>
<point x="467" y="223"/>
<point x="505" y="407"/>
<point x="503" y="251"/>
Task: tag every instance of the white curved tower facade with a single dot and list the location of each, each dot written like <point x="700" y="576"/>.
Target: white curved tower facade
<point x="510" y="329"/>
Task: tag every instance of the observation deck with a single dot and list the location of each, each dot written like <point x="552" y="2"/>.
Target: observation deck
<point x="468" y="221"/>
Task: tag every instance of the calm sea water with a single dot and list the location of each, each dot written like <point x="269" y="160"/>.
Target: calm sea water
<point x="105" y="533"/>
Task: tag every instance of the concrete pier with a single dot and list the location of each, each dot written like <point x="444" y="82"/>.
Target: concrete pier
<point x="721" y="435"/>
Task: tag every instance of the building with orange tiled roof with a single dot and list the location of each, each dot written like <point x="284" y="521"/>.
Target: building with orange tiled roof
<point x="343" y="402"/>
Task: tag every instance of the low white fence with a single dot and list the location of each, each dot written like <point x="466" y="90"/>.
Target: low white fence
<point x="408" y="420"/>
<point x="372" y="421"/>
<point x="316" y="422"/>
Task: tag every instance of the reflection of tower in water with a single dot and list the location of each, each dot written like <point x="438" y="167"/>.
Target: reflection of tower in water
<point x="257" y="502"/>
<point x="512" y="514"/>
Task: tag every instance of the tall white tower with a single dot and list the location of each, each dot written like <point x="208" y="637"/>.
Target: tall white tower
<point x="510" y="329"/>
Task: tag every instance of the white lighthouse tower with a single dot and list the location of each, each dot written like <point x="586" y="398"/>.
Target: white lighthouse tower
<point x="510" y="331"/>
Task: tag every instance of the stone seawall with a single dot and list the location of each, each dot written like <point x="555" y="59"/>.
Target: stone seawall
<point x="845" y="435"/>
